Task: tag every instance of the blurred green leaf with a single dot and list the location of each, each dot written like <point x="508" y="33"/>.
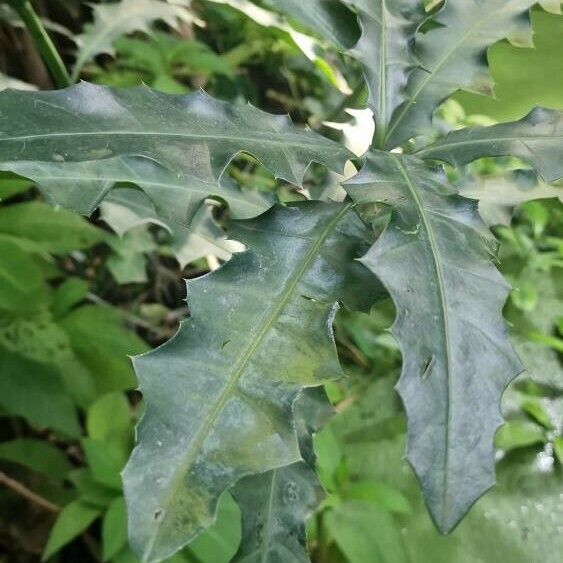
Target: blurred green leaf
<point x="101" y="341"/>
<point x="518" y="434"/>
<point x="114" y="529"/>
<point x="74" y="519"/>
<point x="54" y="230"/>
<point x="35" y="391"/>
<point x="21" y="281"/>
<point x="37" y="455"/>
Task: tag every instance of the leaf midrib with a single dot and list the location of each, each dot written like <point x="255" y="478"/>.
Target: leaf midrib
<point x="442" y="291"/>
<point x="439" y="146"/>
<point x="287" y="140"/>
<point x="268" y="525"/>
<point x="238" y="370"/>
<point x="412" y="99"/>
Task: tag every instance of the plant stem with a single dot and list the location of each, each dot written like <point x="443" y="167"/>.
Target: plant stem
<point x="26" y="493"/>
<point x="43" y="42"/>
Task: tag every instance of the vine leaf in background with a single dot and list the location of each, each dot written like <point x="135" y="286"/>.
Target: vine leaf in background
<point x="435" y="260"/>
<point x="220" y="395"/>
<point x="275" y="505"/>
<point x="111" y="21"/>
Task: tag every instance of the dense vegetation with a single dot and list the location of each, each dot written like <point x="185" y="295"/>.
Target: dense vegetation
<point x="260" y="440"/>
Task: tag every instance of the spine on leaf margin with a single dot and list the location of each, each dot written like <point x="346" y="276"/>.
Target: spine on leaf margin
<point x="435" y="260"/>
<point x="220" y="395"/>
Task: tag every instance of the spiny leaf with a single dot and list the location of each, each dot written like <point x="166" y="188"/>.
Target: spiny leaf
<point x="126" y="208"/>
<point x="434" y="258"/>
<point x="111" y="21"/>
<point x="276" y="504"/>
<point x="81" y="186"/>
<point x="498" y="196"/>
<point x="452" y="56"/>
<point x="220" y="394"/>
<point x="66" y="137"/>
<point x="537" y="139"/>
<point x="388" y="26"/>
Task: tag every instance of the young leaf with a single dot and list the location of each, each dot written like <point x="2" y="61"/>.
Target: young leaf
<point x="275" y="505"/>
<point x="111" y="21"/>
<point x="76" y="130"/>
<point x="71" y="522"/>
<point x="388" y="26"/>
<point x="537" y="139"/>
<point x="452" y="56"/>
<point x="434" y="258"/>
<point x="220" y="394"/>
<point x="114" y="529"/>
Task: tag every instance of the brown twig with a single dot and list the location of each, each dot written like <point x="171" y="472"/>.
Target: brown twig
<point x="24" y="492"/>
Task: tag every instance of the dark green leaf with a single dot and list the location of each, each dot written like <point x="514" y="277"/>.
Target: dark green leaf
<point x="275" y="505"/>
<point x="192" y="137"/>
<point x="219" y="397"/>
<point x="537" y="139"/>
<point x="388" y="27"/>
<point x="452" y="56"/>
<point x="457" y="359"/>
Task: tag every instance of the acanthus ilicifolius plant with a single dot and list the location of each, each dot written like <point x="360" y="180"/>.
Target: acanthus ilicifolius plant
<point x="233" y="398"/>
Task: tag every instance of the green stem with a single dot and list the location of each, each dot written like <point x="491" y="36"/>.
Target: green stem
<point x="43" y="42"/>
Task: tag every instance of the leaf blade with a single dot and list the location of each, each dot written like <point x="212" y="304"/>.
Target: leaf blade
<point x="451" y="57"/>
<point x="456" y="368"/>
<point x="537" y="139"/>
<point x="291" y="300"/>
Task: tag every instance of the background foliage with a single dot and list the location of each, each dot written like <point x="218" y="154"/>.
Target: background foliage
<point x="77" y="297"/>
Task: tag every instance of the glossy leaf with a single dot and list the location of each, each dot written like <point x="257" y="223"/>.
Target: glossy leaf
<point x="434" y="258"/>
<point x="220" y="394"/>
<point x="388" y="28"/>
<point x="537" y="139"/>
<point x="452" y="56"/>
<point x="126" y="208"/>
<point x="111" y="21"/>
<point x="75" y="133"/>
<point x="275" y="505"/>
